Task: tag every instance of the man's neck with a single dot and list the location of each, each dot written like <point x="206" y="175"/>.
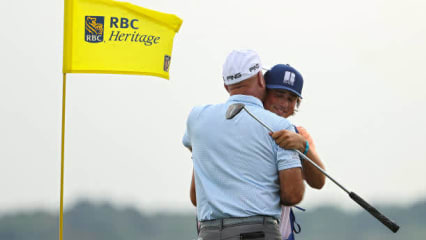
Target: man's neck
<point x="248" y="92"/>
<point x="247" y="87"/>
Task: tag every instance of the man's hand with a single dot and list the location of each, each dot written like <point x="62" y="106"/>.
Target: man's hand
<point x="289" y="140"/>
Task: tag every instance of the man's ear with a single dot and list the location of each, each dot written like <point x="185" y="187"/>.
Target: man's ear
<point x="226" y="87"/>
<point x="261" y="80"/>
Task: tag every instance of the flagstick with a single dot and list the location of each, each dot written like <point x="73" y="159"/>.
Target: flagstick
<point x="61" y="211"/>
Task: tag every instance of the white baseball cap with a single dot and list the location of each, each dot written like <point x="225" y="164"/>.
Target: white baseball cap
<point x="240" y="65"/>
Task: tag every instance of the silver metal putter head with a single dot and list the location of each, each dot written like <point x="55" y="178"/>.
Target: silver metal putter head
<point x="233" y="110"/>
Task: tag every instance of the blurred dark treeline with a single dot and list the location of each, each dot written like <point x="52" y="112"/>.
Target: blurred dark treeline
<point x="103" y="221"/>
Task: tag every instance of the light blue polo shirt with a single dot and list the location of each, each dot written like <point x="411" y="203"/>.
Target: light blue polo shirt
<point x="236" y="162"/>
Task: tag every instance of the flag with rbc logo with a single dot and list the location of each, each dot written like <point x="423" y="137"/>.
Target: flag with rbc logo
<point x="106" y="36"/>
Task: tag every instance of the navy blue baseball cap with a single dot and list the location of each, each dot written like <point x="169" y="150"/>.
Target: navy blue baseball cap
<point x="284" y="76"/>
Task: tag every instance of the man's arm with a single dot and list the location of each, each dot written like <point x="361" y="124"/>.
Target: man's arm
<point x="312" y="175"/>
<point x="186" y="140"/>
<point x="291" y="185"/>
<point x="192" y="194"/>
<point x="290" y="140"/>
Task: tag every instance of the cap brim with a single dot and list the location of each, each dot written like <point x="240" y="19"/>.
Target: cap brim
<point x="272" y="86"/>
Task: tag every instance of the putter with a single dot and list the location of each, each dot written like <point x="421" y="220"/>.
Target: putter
<point x="236" y="108"/>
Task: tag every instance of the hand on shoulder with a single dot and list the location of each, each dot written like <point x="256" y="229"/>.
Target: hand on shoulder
<point x="289" y="140"/>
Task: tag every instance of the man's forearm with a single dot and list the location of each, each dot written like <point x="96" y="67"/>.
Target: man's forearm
<point x="312" y="175"/>
<point x="292" y="187"/>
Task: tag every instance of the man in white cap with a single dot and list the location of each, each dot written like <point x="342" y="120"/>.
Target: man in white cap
<point x="241" y="176"/>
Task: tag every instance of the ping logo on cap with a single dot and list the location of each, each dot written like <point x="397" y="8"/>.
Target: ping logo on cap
<point x="254" y="68"/>
<point x="94" y="29"/>
<point x="232" y="77"/>
<point x="289" y="78"/>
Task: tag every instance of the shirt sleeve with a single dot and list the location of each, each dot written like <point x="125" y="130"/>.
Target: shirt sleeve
<point x="287" y="159"/>
<point x="186" y="140"/>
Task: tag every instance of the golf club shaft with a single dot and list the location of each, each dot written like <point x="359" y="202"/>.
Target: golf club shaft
<point x="301" y="154"/>
<point x="322" y="170"/>
<point x="257" y="119"/>
<point x="373" y="211"/>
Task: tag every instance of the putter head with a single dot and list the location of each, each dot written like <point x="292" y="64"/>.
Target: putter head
<point x="233" y="110"/>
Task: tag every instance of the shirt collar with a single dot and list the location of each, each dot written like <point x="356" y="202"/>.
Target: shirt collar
<point x="248" y="100"/>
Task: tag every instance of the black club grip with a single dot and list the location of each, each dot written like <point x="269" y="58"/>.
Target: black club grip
<point x="383" y="219"/>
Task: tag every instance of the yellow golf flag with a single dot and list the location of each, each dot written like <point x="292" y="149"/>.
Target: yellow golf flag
<point x="106" y="36"/>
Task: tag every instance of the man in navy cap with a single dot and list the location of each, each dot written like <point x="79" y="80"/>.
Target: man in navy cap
<point x="241" y="176"/>
<point x="284" y="86"/>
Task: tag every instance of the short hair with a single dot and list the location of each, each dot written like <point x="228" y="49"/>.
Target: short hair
<point x="296" y="109"/>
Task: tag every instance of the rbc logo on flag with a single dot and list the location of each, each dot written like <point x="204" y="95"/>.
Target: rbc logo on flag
<point x="94" y="29"/>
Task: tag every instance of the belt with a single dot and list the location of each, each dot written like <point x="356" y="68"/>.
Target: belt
<point x="227" y="222"/>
